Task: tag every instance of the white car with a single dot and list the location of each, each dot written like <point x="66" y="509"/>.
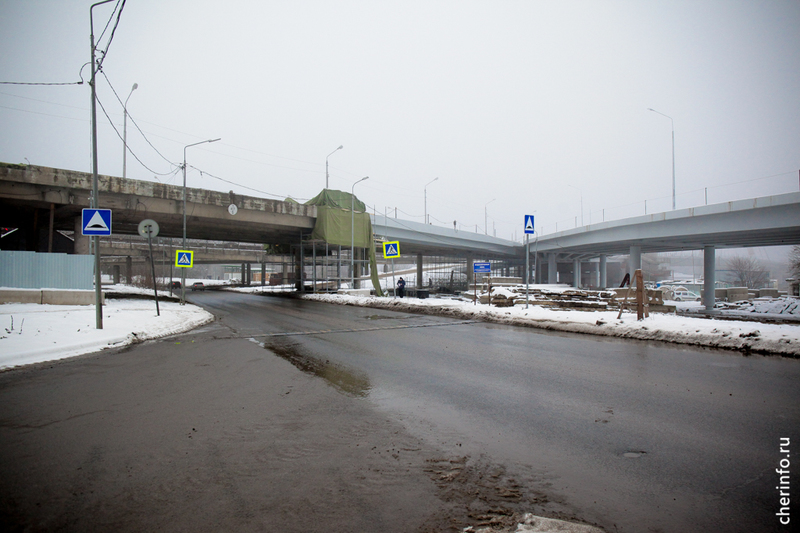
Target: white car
<point x="685" y="296"/>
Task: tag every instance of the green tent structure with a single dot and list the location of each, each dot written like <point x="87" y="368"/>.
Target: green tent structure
<point x="335" y="226"/>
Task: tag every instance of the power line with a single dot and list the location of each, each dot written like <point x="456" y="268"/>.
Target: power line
<point x="131" y="151"/>
<point x="203" y="172"/>
<point x="133" y="121"/>
<point x="40" y="83"/>
<point x="113" y="31"/>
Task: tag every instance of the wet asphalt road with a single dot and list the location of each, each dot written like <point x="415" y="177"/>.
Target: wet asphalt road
<point x="637" y="436"/>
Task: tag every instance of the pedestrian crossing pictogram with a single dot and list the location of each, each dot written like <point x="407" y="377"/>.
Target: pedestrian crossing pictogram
<point x="184" y="258"/>
<point x="391" y="249"/>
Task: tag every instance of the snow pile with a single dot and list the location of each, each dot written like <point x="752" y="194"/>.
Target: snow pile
<point x="748" y="337"/>
<point x="778" y="306"/>
<point x="33" y="333"/>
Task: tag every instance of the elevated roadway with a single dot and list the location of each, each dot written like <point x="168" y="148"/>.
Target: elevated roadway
<point x="766" y="221"/>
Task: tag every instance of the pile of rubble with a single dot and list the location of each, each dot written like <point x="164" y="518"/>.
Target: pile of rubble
<point x="508" y="292"/>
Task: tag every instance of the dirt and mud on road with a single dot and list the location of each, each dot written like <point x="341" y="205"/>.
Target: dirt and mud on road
<point x="173" y="436"/>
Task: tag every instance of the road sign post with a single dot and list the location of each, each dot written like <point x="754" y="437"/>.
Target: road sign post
<point x="390" y="251"/>
<point x="184" y="259"/>
<point x="149" y="228"/>
<point x="480" y="268"/>
<point x="94" y="223"/>
<point x="528" y="230"/>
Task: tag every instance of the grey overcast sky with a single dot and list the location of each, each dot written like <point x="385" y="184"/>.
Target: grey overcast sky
<point x="518" y="107"/>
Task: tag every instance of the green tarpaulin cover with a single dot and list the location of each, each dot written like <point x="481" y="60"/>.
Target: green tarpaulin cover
<point x="337" y="225"/>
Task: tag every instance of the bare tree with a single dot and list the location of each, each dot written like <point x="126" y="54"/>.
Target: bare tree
<point x="748" y="271"/>
<point x="794" y="261"/>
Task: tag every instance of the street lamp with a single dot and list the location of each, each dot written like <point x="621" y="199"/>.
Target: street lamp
<point x="486" y="217"/>
<point x="353" y="232"/>
<point x="580" y="191"/>
<point x="125" y="128"/>
<point x="326" y="163"/>
<point x="425" y="190"/>
<point x="183" y="270"/>
<point x="673" y="152"/>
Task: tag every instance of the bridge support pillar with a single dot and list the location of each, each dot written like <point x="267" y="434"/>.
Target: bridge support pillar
<point x="129" y="270"/>
<point x="116" y="275"/>
<point x="576" y="273"/>
<point x="635" y="260"/>
<point x="470" y="267"/>
<point x="263" y="274"/>
<point x="602" y="283"/>
<point x="420" y="278"/>
<point x="709" y="274"/>
<point x="81" y="245"/>
<point x="552" y="269"/>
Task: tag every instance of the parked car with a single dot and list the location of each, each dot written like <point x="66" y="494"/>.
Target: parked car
<point x="685" y="296"/>
<point x="198" y="286"/>
<point x="175" y="285"/>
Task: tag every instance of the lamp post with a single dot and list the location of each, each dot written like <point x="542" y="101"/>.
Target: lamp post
<point x="125" y="128"/>
<point x="581" y="192"/>
<point x="326" y="163"/>
<point x="425" y="190"/>
<point x="353" y="232"/>
<point x="183" y="245"/>
<point x="673" y="152"/>
<point x="486" y="217"/>
<point x="98" y="303"/>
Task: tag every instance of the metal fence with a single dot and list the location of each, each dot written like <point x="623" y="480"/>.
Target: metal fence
<point x="32" y="270"/>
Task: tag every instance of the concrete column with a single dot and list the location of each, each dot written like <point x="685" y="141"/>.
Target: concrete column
<point x="116" y="274"/>
<point x="249" y="274"/>
<point x="709" y="274"/>
<point x="243" y="275"/>
<point x="635" y="260"/>
<point x="552" y="268"/>
<point x="603" y="282"/>
<point x="263" y="274"/>
<point x="470" y="267"/>
<point x="129" y="270"/>
<point x="576" y="273"/>
<point x="420" y="279"/>
<point x="81" y="244"/>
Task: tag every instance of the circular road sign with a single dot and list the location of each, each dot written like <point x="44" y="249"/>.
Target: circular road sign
<point x="148" y="226"/>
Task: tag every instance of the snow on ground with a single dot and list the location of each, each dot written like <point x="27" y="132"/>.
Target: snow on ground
<point x="33" y="333"/>
<point x="779" y="339"/>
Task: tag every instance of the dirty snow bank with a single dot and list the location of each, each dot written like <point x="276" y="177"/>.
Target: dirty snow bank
<point x="33" y="333"/>
<point x="778" y="339"/>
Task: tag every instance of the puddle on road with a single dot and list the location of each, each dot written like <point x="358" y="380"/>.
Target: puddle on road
<point x="341" y="378"/>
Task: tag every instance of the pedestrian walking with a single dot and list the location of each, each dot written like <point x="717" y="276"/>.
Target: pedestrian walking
<point x="401" y="287"/>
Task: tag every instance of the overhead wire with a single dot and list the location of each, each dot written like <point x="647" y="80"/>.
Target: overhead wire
<point x="113" y="31"/>
<point x="131" y="151"/>
<point x="134" y="121"/>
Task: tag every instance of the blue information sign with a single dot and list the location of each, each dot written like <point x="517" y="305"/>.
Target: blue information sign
<point x="529" y="224"/>
<point x="481" y="268"/>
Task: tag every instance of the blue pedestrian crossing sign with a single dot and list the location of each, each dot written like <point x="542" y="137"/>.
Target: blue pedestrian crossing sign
<point x="96" y="222"/>
<point x="391" y="249"/>
<point x="184" y="258"/>
<point x="529" y="224"/>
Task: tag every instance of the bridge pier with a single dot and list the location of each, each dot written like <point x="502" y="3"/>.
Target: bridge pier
<point x="420" y="278"/>
<point x="576" y="273"/>
<point x="81" y="241"/>
<point x="552" y="268"/>
<point x="470" y="268"/>
<point x="709" y="281"/>
<point x="635" y="260"/>
<point x="602" y="282"/>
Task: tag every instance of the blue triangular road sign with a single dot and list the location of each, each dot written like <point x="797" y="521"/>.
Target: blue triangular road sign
<point x="529" y="224"/>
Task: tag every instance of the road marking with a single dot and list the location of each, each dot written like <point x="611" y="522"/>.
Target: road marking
<point x="359" y="330"/>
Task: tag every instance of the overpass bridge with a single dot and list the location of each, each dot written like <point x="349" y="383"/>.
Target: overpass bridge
<point x="766" y="221"/>
<point x="42" y="200"/>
